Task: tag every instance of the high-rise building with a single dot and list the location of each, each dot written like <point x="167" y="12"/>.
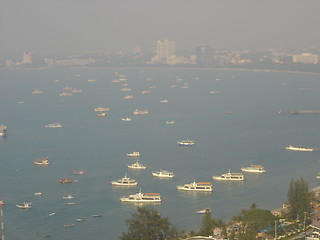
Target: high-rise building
<point x="166" y="49"/>
<point x="27" y="58"/>
<point x="204" y="57"/>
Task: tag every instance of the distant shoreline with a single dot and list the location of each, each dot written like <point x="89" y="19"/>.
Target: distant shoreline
<point x="171" y="68"/>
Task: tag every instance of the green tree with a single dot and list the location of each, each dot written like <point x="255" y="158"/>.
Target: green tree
<point x="298" y="198"/>
<point x="253" y="220"/>
<point x="147" y="224"/>
<point x="208" y="224"/>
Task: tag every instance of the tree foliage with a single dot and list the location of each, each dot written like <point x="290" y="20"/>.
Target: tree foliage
<point x="147" y="224"/>
<point x="208" y="224"/>
<point x="298" y="198"/>
<point x="253" y="220"/>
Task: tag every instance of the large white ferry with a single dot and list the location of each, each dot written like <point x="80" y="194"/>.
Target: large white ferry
<point x="301" y="149"/>
<point x="142" y="198"/>
<point x="197" y="186"/>
<point x="125" y="181"/>
<point x="229" y="177"/>
<point x="163" y="174"/>
<point x="186" y="143"/>
<point x="133" y="154"/>
<point x="3" y="130"/>
<point x="137" y="165"/>
<point x="254" y="169"/>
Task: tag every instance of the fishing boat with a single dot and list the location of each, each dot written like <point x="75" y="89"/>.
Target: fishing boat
<point x="133" y="154"/>
<point x="25" y="205"/>
<point x="142" y="198"/>
<point x="137" y="165"/>
<point x="65" y="180"/>
<point x="230" y="177"/>
<point x="163" y="174"/>
<point x="196" y="186"/>
<point x="125" y="181"/>
<point x="254" y="169"/>
<point x="206" y="210"/>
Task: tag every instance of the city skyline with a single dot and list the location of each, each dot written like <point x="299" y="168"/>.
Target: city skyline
<point x="69" y="27"/>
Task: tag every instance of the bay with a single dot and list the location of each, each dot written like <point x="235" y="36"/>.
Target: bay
<point x="236" y="125"/>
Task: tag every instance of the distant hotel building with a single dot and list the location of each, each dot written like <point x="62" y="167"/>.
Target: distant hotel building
<point x="204" y="56"/>
<point x="166" y="52"/>
<point x="26" y="58"/>
<point x="306" y="58"/>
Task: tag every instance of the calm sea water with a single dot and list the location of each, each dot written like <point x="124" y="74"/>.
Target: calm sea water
<point x="253" y="133"/>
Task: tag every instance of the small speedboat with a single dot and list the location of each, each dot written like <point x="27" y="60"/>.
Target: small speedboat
<point x="68" y="197"/>
<point x="206" y="210"/>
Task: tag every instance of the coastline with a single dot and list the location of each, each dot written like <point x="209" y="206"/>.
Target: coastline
<point x="173" y="68"/>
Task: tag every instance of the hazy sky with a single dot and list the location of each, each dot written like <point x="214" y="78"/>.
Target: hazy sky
<point x="79" y="26"/>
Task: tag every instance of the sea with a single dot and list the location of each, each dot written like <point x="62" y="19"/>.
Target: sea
<point x="232" y="115"/>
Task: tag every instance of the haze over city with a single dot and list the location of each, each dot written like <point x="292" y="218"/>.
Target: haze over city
<point x="78" y="26"/>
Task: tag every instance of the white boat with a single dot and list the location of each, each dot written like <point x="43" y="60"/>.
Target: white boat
<point x="142" y="198"/>
<point x="51" y="214"/>
<point x="38" y="193"/>
<point x="133" y="154"/>
<point x="170" y="122"/>
<point x="186" y="143"/>
<point x="163" y="174"/>
<point x="96" y="215"/>
<point x="68" y="225"/>
<point x="202" y="211"/>
<point x="79" y="172"/>
<point x="229" y="177"/>
<point x="80" y="219"/>
<point x="127" y="119"/>
<point x="101" y="114"/>
<point x="140" y="112"/>
<point x="43" y="162"/>
<point x="3" y="130"/>
<point x="197" y="186"/>
<point x="37" y="91"/>
<point x="128" y="97"/>
<point x="164" y="101"/>
<point x="25" y="205"/>
<point x="102" y="109"/>
<point x="137" y="165"/>
<point x="125" y="181"/>
<point x="301" y="149"/>
<point x="68" y="197"/>
<point x="254" y="169"/>
<point x="53" y="125"/>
